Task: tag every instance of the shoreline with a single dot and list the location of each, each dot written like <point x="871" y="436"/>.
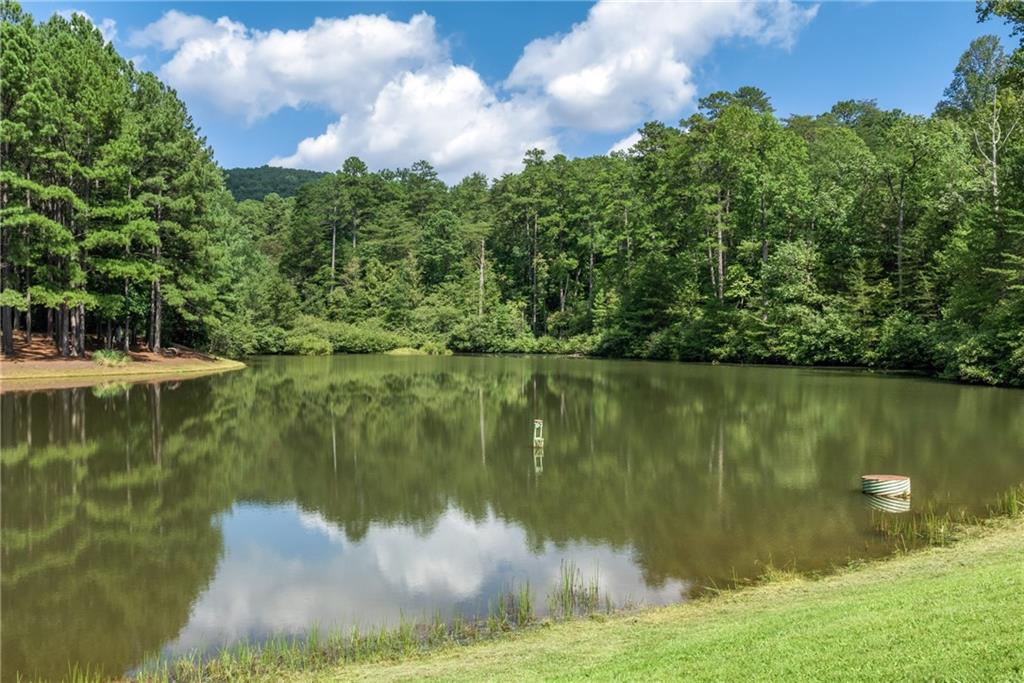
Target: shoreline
<point x="883" y="617"/>
<point x="968" y="589"/>
<point x="20" y="375"/>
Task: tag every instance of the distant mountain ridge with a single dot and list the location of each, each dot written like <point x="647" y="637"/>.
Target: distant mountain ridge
<point x="257" y="183"/>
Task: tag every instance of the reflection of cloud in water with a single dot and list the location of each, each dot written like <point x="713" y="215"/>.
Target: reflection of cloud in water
<point x="314" y="521"/>
<point x="286" y="569"/>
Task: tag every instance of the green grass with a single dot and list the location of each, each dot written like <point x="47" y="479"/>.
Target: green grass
<point x="314" y="652"/>
<point x="109" y="358"/>
<point x="948" y="613"/>
<point x="573" y="595"/>
<point x="953" y="611"/>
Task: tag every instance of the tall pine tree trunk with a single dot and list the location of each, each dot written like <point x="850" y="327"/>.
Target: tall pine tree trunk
<point x="28" y="313"/>
<point x="899" y="251"/>
<point x="62" y="329"/>
<point x="156" y="342"/>
<point x="81" y="330"/>
<point x="6" y="312"/>
<point x="158" y="314"/>
<point x="533" y="269"/>
<point x="73" y="330"/>
<point x="590" y="276"/>
<point x="7" y="323"/>
<point x="152" y="314"/>
<point x="480" y="302"/>
<point x="127" y="321"/>
<point x="334" y="251"/>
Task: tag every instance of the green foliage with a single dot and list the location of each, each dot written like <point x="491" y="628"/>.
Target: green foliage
<point x="257" y="183"/>
<point x="110" y="358"/>
<point x="856" y="237"/>
<point x="904" y="342"/>
<point x="306" y="343"/>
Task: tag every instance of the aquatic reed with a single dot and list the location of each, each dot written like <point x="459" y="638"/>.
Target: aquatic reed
<point x="514" y="609"/>
<point x="572" y="595"/>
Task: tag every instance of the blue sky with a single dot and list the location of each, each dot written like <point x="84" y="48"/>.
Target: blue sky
<point x="469" y="86"/>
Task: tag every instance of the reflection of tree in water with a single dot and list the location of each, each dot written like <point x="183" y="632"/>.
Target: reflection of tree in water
<point x="106" y="541"/>
<point x="697" y="471"/>
<point x="701" y="471"/>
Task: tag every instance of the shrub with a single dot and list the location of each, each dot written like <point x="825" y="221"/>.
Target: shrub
<point x="306" y="343"/>
<point x="434" y="348"/>
<point x="904" y="342"/>
<point x="341" y="337"/>
<point x="109" y="358"/>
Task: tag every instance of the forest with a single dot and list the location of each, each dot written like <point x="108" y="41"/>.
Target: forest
<point x="859" y="236"/>
<point x="257" y="183"/>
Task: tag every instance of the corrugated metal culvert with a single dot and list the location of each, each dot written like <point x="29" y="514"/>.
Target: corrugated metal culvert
<point x="885" y="484"/>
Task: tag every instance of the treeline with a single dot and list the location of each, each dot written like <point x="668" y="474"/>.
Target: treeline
<point x="109" y="198"/>
<point x="859" y="236"/>
<point x="257" y="183"/>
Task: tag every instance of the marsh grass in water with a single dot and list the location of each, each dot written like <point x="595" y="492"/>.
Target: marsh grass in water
<point x="573" y="595"/>
<point x="1009" y="504"/>
<point x="514" y="609"/>
<point x="932" y="527"/>
<point x="926" y="527"/>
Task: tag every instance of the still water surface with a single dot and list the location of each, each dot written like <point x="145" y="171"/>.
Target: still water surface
<point x="164" y="518"/>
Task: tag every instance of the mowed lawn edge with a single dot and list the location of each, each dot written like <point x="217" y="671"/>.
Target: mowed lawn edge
<point x="948" y="613"/>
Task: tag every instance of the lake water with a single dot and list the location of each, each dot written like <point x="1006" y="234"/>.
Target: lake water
<point x="164" y="518"/>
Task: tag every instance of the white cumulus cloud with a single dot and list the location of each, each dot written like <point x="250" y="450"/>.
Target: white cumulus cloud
<point x="399" y="97"/>
<point x="626" y="143"/>
<point x="338" y="63"/>
<point x="628" y="62"/>
<point x="445" y="114"/>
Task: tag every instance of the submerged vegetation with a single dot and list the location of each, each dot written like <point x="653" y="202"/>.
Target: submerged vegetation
<point x="856" y="236"/>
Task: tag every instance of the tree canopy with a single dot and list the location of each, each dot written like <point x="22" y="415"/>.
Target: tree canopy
<point x="857" y="236"/>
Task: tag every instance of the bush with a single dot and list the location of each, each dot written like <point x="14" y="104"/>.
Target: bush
<point x="240" y="336"/>
<point x="305" y="343"/>
<point x="109" y="358"/>
<point x="434" y="348"/>
<point x="904" y="343"/>
<point x="312" y="336"/>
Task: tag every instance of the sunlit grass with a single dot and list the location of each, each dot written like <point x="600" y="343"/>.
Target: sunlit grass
<point x="575" y="595"/>
<point x="110" y="358"/>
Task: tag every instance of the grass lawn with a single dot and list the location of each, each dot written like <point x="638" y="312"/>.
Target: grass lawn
<point x="954" y="613"/>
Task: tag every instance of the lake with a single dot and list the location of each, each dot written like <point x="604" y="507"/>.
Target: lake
<point x="171" y="517"/>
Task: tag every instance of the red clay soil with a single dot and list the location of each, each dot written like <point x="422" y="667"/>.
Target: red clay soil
<point x="40" y="360"/>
